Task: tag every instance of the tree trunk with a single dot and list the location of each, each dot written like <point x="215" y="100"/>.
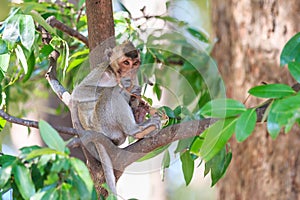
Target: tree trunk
<point x="100" y="29"/>
<point x="251" y="35"/>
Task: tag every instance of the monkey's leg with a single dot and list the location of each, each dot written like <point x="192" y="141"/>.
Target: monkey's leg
<point x="107" y="167"/>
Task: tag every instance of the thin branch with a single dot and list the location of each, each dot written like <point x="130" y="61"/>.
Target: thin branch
<point x="64" y="28"/>
<point x="56" y="86"/>
<point x="35" y="124"/>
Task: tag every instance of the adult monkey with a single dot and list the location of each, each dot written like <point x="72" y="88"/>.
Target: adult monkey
<point x="101" y="103"/>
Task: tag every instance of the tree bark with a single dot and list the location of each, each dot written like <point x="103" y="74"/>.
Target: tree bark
<point x="251" y="35"/>
<point x="100" y="29"/>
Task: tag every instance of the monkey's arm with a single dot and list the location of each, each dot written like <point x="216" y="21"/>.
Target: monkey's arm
<point x="56" y="86"/>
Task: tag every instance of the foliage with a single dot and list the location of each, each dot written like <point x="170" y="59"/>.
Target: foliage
<point x="45" y="173"/>
<point x="167" y="55"/>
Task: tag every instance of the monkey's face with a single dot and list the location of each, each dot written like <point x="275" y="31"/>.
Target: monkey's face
<point x="128" y="66"/>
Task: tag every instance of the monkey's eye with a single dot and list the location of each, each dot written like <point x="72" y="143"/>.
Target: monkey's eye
<point x="126" y="62"/>
<point x="136" y="63"/>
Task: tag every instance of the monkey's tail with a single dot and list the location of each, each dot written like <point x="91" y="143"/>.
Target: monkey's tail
<point x="107" y="168"/>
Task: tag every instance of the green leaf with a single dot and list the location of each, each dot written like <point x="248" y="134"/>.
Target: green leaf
<point x="80" y="186"/>
<point x="43" y="151"/>
<point x="165" y="163"/>
<point x="21" y="57"/>
<point x="41" y="21"/>
<point x="169" y="112"/>
<point x="7" y="159"/>
<point x="11" y="29"/>
<point x="50" y="194"/>
<point x="187" y="164"/>
<point x="65" y="192"/>
<point x="245" y="125"/>
<point x="2" y="123"/>
<point x="26" y="150"/>
<point x="291" y="50"/>
<point x="222" y="108"/>
<point x="4" y="61"/>
<point x="284" y="112"/>
<point x="83" y="173"/>
<point x="51" y="137"/>
<point x="294" y="68"/>
<point x="23" y="181"/>
<point x="218" y="165"/>
<point x="3" y="47"/>
<point x="153" y="153"/>
<point x="30" y="63"/>
<point x="272" y="91"/>
<point x="157" y="90"/>
<point x="166" y="160"/>
<point x="197" y="144"/>
<point x="183" y="145"/>
<point x="199" y="35"/>
<point x="27" y="31"/>
<point x="273" y="126"/>
<point x="216" y="137"/>
<point x="5" y="173"/>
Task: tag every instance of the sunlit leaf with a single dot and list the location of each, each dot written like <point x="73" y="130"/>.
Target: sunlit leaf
<point x="83" y="173"/>
<point x="3" y="47"/>
<point x="51" y="137"/>
<point x="198" y="34"/>
<point x="291" y="50"/>
<point x="43" y="151"/>
<point x="245" y="125"/>
<point x="4" y="61"/>
<point x="272" y="91"/>
<point x="11" y="29"/>
<point x="216" y="137"/>
<point x="5" y="173"/>
<point x="165" y="163"/>
<point x="294" y="68"/>
<point x="221" y="108"/>
<point x="30" y="64"/>
<point x="23" y="181"/>
<point x="153" y="153"/>
<point x="27" y="31"/>
<point x="21" y="57"/>
<point x="272" y="125"/>
<point x="41" y="21"/>
<point x="284" y="112"/>
<point x="197" y="144"/>
<point x="187" y="164"/>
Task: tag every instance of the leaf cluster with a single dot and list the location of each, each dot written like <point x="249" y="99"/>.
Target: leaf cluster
<point x="45" y="173"/>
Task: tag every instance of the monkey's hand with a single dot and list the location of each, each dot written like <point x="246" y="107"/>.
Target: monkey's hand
<point x="149" y="127"/>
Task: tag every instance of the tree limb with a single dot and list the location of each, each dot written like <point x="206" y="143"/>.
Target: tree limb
<point x="60" y="26"/>
<point x="35" y="124"/>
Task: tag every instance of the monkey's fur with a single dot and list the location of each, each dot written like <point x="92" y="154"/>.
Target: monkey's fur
<point x="101" y="103"/>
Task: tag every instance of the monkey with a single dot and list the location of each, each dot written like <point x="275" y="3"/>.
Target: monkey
<point x="101" y="103"/>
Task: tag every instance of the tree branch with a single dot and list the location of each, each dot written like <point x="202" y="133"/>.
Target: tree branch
<point x="60" y="26"/>
<point x="35" y="124"/>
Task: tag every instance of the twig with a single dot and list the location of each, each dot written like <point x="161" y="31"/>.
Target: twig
<point x="60" y="26"/>
<point x="56" y="86"/>
<point x="35" y="124"/>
